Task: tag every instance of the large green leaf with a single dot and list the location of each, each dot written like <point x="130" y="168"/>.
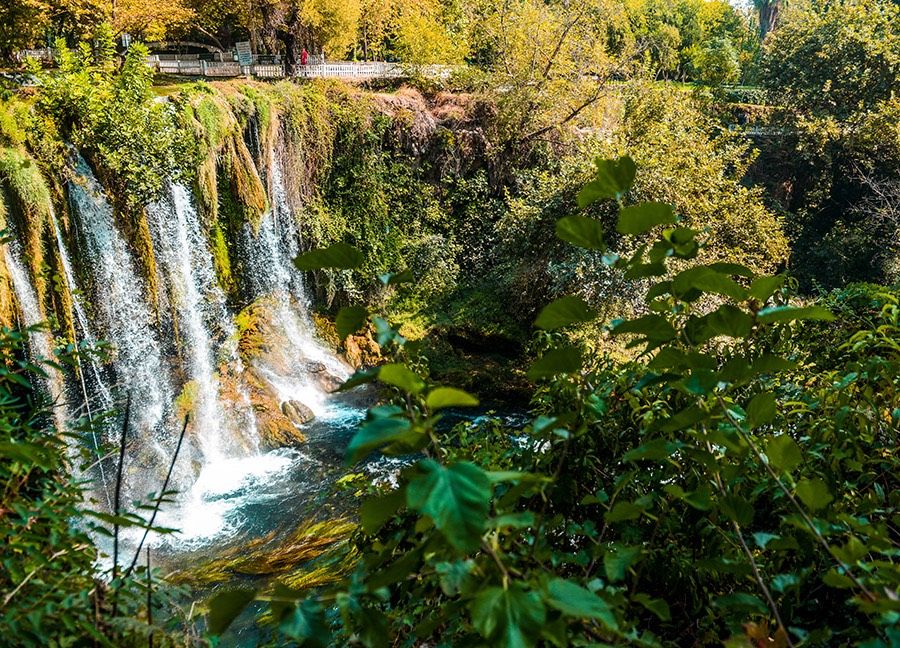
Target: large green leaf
<point x="654" y="327"/>
<point x="556" y="361"/>
<point x="442" y="397"/>
<point x="729" y="320"/>
<point x="643" y="217"/>
<point x="394" y="278"/>
<point x="378" y="432"/>
<point x="707" y="280"/>
<point x="618" y="559"/>
<point x="783" y="452"/>
<point x="359" y="377"/>
<point x="306" y="624"/>
<point x="337" y="255"/>
<point x="455" y="497"/>
<point x="790" y="313"/>
<point x="376" y="511"/>
<point x="510" y="618"/>
<point x="349" y="320"/>
<point x="658" y="606"/>
<point x="564" y="311"/>
<point x="581" y="231"/>
<point x="224" y="608"/>
<point x="762" y="288"/>
<point x="761" y="410"/>
<point x="814" y="493"/>
<point x="613" y="179"/>
<point x="400" y="376"/>
<point x="574" y="600"/>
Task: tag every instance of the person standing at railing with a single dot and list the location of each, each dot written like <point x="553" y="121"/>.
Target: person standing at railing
<point x="304" y="57"/>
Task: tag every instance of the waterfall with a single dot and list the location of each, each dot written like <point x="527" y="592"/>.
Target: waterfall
<point x="184" y="256"/>
<point x="106" y="398"/>
<point x="269" y="253"/>
<point x="192" y="347"/>
<point x="40" y="342"/>
<point x="127" y="322"/>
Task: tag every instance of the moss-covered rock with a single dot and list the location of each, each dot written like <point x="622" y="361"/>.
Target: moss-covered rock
<point x="30" y="208"/>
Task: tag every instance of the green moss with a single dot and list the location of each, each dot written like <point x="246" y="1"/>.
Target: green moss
<point x="275" y="555"/>
<point x="7" y="294"/>
<point x="186" y="401"/>
<point x="31" y="208"/>
<point x="222" y="259"/>
<point x="137" y="232"/>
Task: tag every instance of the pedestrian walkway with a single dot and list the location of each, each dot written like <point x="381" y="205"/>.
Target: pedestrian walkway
<point x="347" y="70"/>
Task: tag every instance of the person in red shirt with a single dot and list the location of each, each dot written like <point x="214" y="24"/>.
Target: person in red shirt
<point x="304" y="56"/>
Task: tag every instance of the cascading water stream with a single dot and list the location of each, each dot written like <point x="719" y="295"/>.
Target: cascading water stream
<point x="40" y="342"/>
<point x="176" y="234"/>
<point x="106" y="398"/>
<point x="128" y="323"/>
<point x="270" y="252"/>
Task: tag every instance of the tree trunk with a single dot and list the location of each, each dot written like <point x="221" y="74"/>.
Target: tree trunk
<point x="768" y="16"/>
<point x="291" y="54"/>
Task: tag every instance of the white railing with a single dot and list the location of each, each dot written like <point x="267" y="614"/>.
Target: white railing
<point x="268" y="71"/>
<point x="40" y="54"/>
<point x="193" y="65"/>
<point x="350" y="70"/>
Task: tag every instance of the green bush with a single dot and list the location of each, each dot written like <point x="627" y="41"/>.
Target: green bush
<point x="716" y="488"/>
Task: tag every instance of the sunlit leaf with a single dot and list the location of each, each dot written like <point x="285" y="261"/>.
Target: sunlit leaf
<point x="643" y="217"/>
<point x="442" y="397"/>
<point x="564" y="311"/>
<point x="455" y="497"/>
<point x="401" y="377"/>
<point x="613" y="178"/>
<point x="581" y="231"/>
<point x="790" y="313"/>
<point x="337" y="255"/>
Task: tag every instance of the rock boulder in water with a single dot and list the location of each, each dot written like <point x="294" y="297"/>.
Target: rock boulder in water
<point x="297" y="412"/>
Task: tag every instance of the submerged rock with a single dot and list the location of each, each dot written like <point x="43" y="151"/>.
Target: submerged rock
<point x="297" y="412"/>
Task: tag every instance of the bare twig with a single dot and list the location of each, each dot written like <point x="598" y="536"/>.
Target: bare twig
<point x="149" y="602"/>
<point x="159" y="497"/>
<point x="117" y="501"/>
<point x="806" y="519"/>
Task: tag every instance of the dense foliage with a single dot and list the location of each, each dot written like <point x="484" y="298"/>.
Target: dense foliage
<point x="53" y="592"/>
<point x="720" y="484"/>
<point x="707" y="450"/>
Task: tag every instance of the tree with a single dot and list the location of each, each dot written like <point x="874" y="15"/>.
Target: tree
<point x="717" y="62"/>
<point x="329" y="25"/>
<point x="548" y="62"/>
<point x="768" y="12"/>
<point x="422" y="36"/>
<point x="150" y="21"/>
<point x="21" y="25"/>
<point x="836" y="59"/>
